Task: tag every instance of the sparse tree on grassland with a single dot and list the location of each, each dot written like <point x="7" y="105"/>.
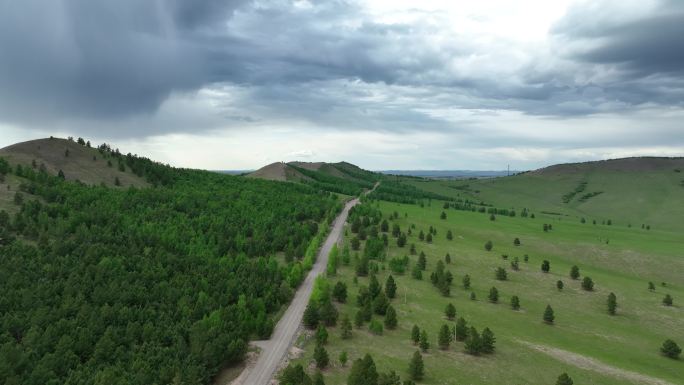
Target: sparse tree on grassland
<point x="488" y="245"/>
<point x="416" y="366"/>
<point x="564" y="379"/>
<point x="667" y="301"/>
<point x="321" y="357"/>
<point x="346" y="328"/>
<point x="587" y="284"/>
<point x="424" y="343"/>
<point x="670" y="349"/>
<point x="612" y="303"/>
<point x="473" y="342"/>
<point x="461" y="329"/>
<point x="415" y="334"/>
<point x="515" y="302"/>
<point x="390" y="287"/>
<point x="450" y="311"/>
<point x="444" y="337"/>
<point x="574" y="272"/>
<point x="390" y="318"/>
<point x="488" y="341"/>
<point x="559" y="285"/>
<point x="548" y="315"/>
<point x="493" y="295"/>
<point x="466" y="281"/>
<point x="545" y="266"/>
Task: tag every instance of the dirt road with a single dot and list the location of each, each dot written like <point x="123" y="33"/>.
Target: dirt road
<point x="274" y="350"/>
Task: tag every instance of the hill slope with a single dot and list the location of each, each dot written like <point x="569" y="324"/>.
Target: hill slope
<point x="632" y="191"/>
<point x="77" y="162"/>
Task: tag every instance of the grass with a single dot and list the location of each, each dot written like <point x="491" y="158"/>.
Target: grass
<point x="629" y="341"/>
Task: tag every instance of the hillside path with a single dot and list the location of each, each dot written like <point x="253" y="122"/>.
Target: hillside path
<point x="274" y="350"/>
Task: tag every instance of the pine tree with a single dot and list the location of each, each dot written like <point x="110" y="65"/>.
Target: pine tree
<point x="461" y="329"/>
<point x="424" y="343"/>
<point x="559" y="285"/>
<point x="343" y="358"/>
<point x="346" y="328"/>
<point x="416" y="272"/>
<point x="472" y="296"/>
<point x="488" y="245"/>
<point x="363" y="372"/>
<point x="587" y="284"/>
<point x="612" y="303"/>
<point x="574" y="272"/>
<point x="450" y="311"/>
<point x="340" y="292"/>
<point x="428" y="238"/>
<point x="359" y="319"/>
<point x="501" y="274"/>
<point x="321" y="335"/>
<point x="466" y="281"/>
<point x="390" y="287"/>
<point x="374" y="287"/>
<point x="443" y="215"/>
<point x="60" y="174"/>
<point x="327" y="313"/>
<point x="380" y="304"/>
<point x="416" y="366"/>
<point x="670" y="349"/>
<point x="667" y="301"/>
<point x="651" y="286"/>
<point x="321" y="357"/>
<point x="310" y="316"/>
<point x="515" y="302"/>
<point x="375" y="327"/>
<point x="447" y="258"/>
<point x="493" y="295"/>
<point x="473" y="342"/>
<point x="422" y="262"/>
<point x="546" y="266"/>
<point x="449" y="235"/>
<point x="415" y="334"/>
<point x="444" y="337"/>
<point x="548" y="315"/>
<point x="367" y="310"/>
<point x="318" y="379"/>
<point x="516" y="242"/>
<point x="390" y="318"/>
<point x="488" y="341"/>
<point x="564" y="379"/>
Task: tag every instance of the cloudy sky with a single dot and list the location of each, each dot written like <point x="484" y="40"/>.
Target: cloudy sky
<point x="385" y="84"/>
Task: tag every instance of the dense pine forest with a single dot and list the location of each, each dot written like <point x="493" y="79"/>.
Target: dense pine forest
<point x="104" y="285"/>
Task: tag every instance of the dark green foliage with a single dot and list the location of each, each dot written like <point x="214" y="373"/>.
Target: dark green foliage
<point x="515" y="264"/>
<point x="311" y="317"/>
<point x="415" y="334"/>
<point x="359" y="319"/>
<point x="340" y="292"/>
<point x="428" y="238"/>
<point x="318" y="379"/>
<point x="667" y="301"/>
<point x="493" y="296"/>
<point x="516" y="242"/>
<point x="545" y="266"/>
<point x="321" y="335"/>
<point x="488" y="245"/>
<point x="416" y="366"/>
<point x="401" y="240"/>
<point x="549" y="317"/>
<point x="559" y="285"/>
<point x="473" y="342"/>
<point x="443" y="215"/>
<point x="367" y="311"/>
<point x="375" y="327"/>
<point x="612" y="303"/>
<point x="390" y="287"/>
<point x="363" y="372"/>
<point x="472" y="296"/>
<point x="417" y="272"/>
<point x="362" y="267"/>
<point x="466" y="281"/>
<point x="321" y="357"/>
<point x="587" y="284"/>
<point x="399" y="265"/>
<point x="450" y="311"/>
<point x="327" y="312"/>
<point x="390" y="318"/>
<point x="449" y="235"/>
<point x="492" y="217"/>
<point x="447" y="258"/>
<point x="651" y="286"/>
<point x="670" y="349"/>
<point x="355" y="243"/>
<point x="380" y="304"/>
<point x="574" y="272"/>
<point x="488" y="341"/>
<point x="501" y="274"/>
<point x="424" y="343"/>
<point x="374" y="287"/>
<point x="564" y="379"/>
<point x="422" y="261"/>
<point x="515" y="302"/>
<point x="421" y="235"/>
<point x="444" y="337"/>
<point x="390" y="378"/>
<point x="461" y="329"/>
<point x="346" y="328"/>
<point x="384" y="226"/>
<point x="343" y="358"/>
<point x="294" y="375"/>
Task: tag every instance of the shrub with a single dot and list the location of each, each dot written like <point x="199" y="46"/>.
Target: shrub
<point x="450" y="311"/>
<point x="488" y="245"/>
<point x="515" y="302"/>
<point x="545" y="266"/>
<point x="375" y="327"/>
<point x="516" y="242"/>
<point x="466" y="281"/>
<point x="612" y="303"/>
<point x="574" y="272"/>
<point x="415" y="335"/>
<point x="493" y="295"/>
<point x="559" y="284"/>
<point x="667" y="301"/>
<point x="564" y="379"/>
<point x="548" y="315"/>
<point x="321" y="357"/>
<point x="670" y="349"/>
<point x="501" y="274"/>
<point x="587" y="284"/>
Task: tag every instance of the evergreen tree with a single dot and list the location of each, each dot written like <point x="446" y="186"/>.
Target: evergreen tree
<point x="651" y="286"/>
<point x="415" y="334"/>
<point x="321" y="357"/>
<point x="516" y="242"/>
<point x="375" y="327"/>
<point x="343" y="358"/>
<point x="374" y="287"/>
<point x="318" y="379"/>
<point x="466" y="281"/>
<point x="447" y="258"/>
<point x="559" y="285"/>
<point x="548" y="315"/>
<point x="515" y="302"/>
<point x="564" y="379"/>
<point x="340" y="292"/>
<point x="472" y="296"/>
<point x="587" y="284"/>
<point x="444" y="337"/>
<point x="60" y="174"/>
<point x="416" y="272"/>
<point x="363" y="372"/>
<point x="450" y="311"/>
<point x="428" y="238"/>
<point x="310" y="316"/>
<point x="321" y="335"/>
<point x="424" y="343"/>
<point x="355" y="243"/>
<point x="501" y="274"/>
<point x="359" y="319"/>
<point x="492" y="217"/>
<point x="390" y="318"/>
<point x="574" y="272"/>
<point x="667" y="301"/>
<point x="384" y="226"/>
<point x="346" y="328"/>
<point x="390" y="287"/>
<point x="449" y="235"/>
<point x="421" y="235"/>
<point x="422" y="262"/>
<point x="380" y="304"/>
<point x="612" y="303"/>
<point x="488" y="341"/>
<point x="443" y="215"/>
<point x="367" y="311"/>
<point x="670" y="349"/>
<point x="473" y="342"/>
<point x="546" y="266"/>
<point x="327" y="313"/>
<point x="488" y="245"/>
<point x="294" y="375"/>
<point x="461" y="329"/>
<point x="493" y="295"/>
<point x="416" y="366"/>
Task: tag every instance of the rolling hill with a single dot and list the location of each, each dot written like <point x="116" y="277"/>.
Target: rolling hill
<point x="629" y="191"/>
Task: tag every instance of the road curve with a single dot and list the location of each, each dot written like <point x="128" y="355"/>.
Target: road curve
<point x="273" y="351"/>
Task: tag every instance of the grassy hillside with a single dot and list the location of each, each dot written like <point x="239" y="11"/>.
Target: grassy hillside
<point x="592" y="346"/>
<point x="77" y="162"/>
<point x="634" y="191"/>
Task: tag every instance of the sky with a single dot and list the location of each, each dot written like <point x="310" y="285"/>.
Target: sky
<point x="384" y="84"/>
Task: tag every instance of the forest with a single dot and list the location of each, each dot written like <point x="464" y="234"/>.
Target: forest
<point x="141" y="286"/>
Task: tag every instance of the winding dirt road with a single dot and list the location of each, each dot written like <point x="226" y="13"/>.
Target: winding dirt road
<point x="273" y="351"/>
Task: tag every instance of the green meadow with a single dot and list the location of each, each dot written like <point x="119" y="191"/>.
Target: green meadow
<point x="592" y="346"/>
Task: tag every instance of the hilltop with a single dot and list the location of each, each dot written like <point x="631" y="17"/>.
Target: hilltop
<point x="631" y="191"/>
<point x="77" y="161"/>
